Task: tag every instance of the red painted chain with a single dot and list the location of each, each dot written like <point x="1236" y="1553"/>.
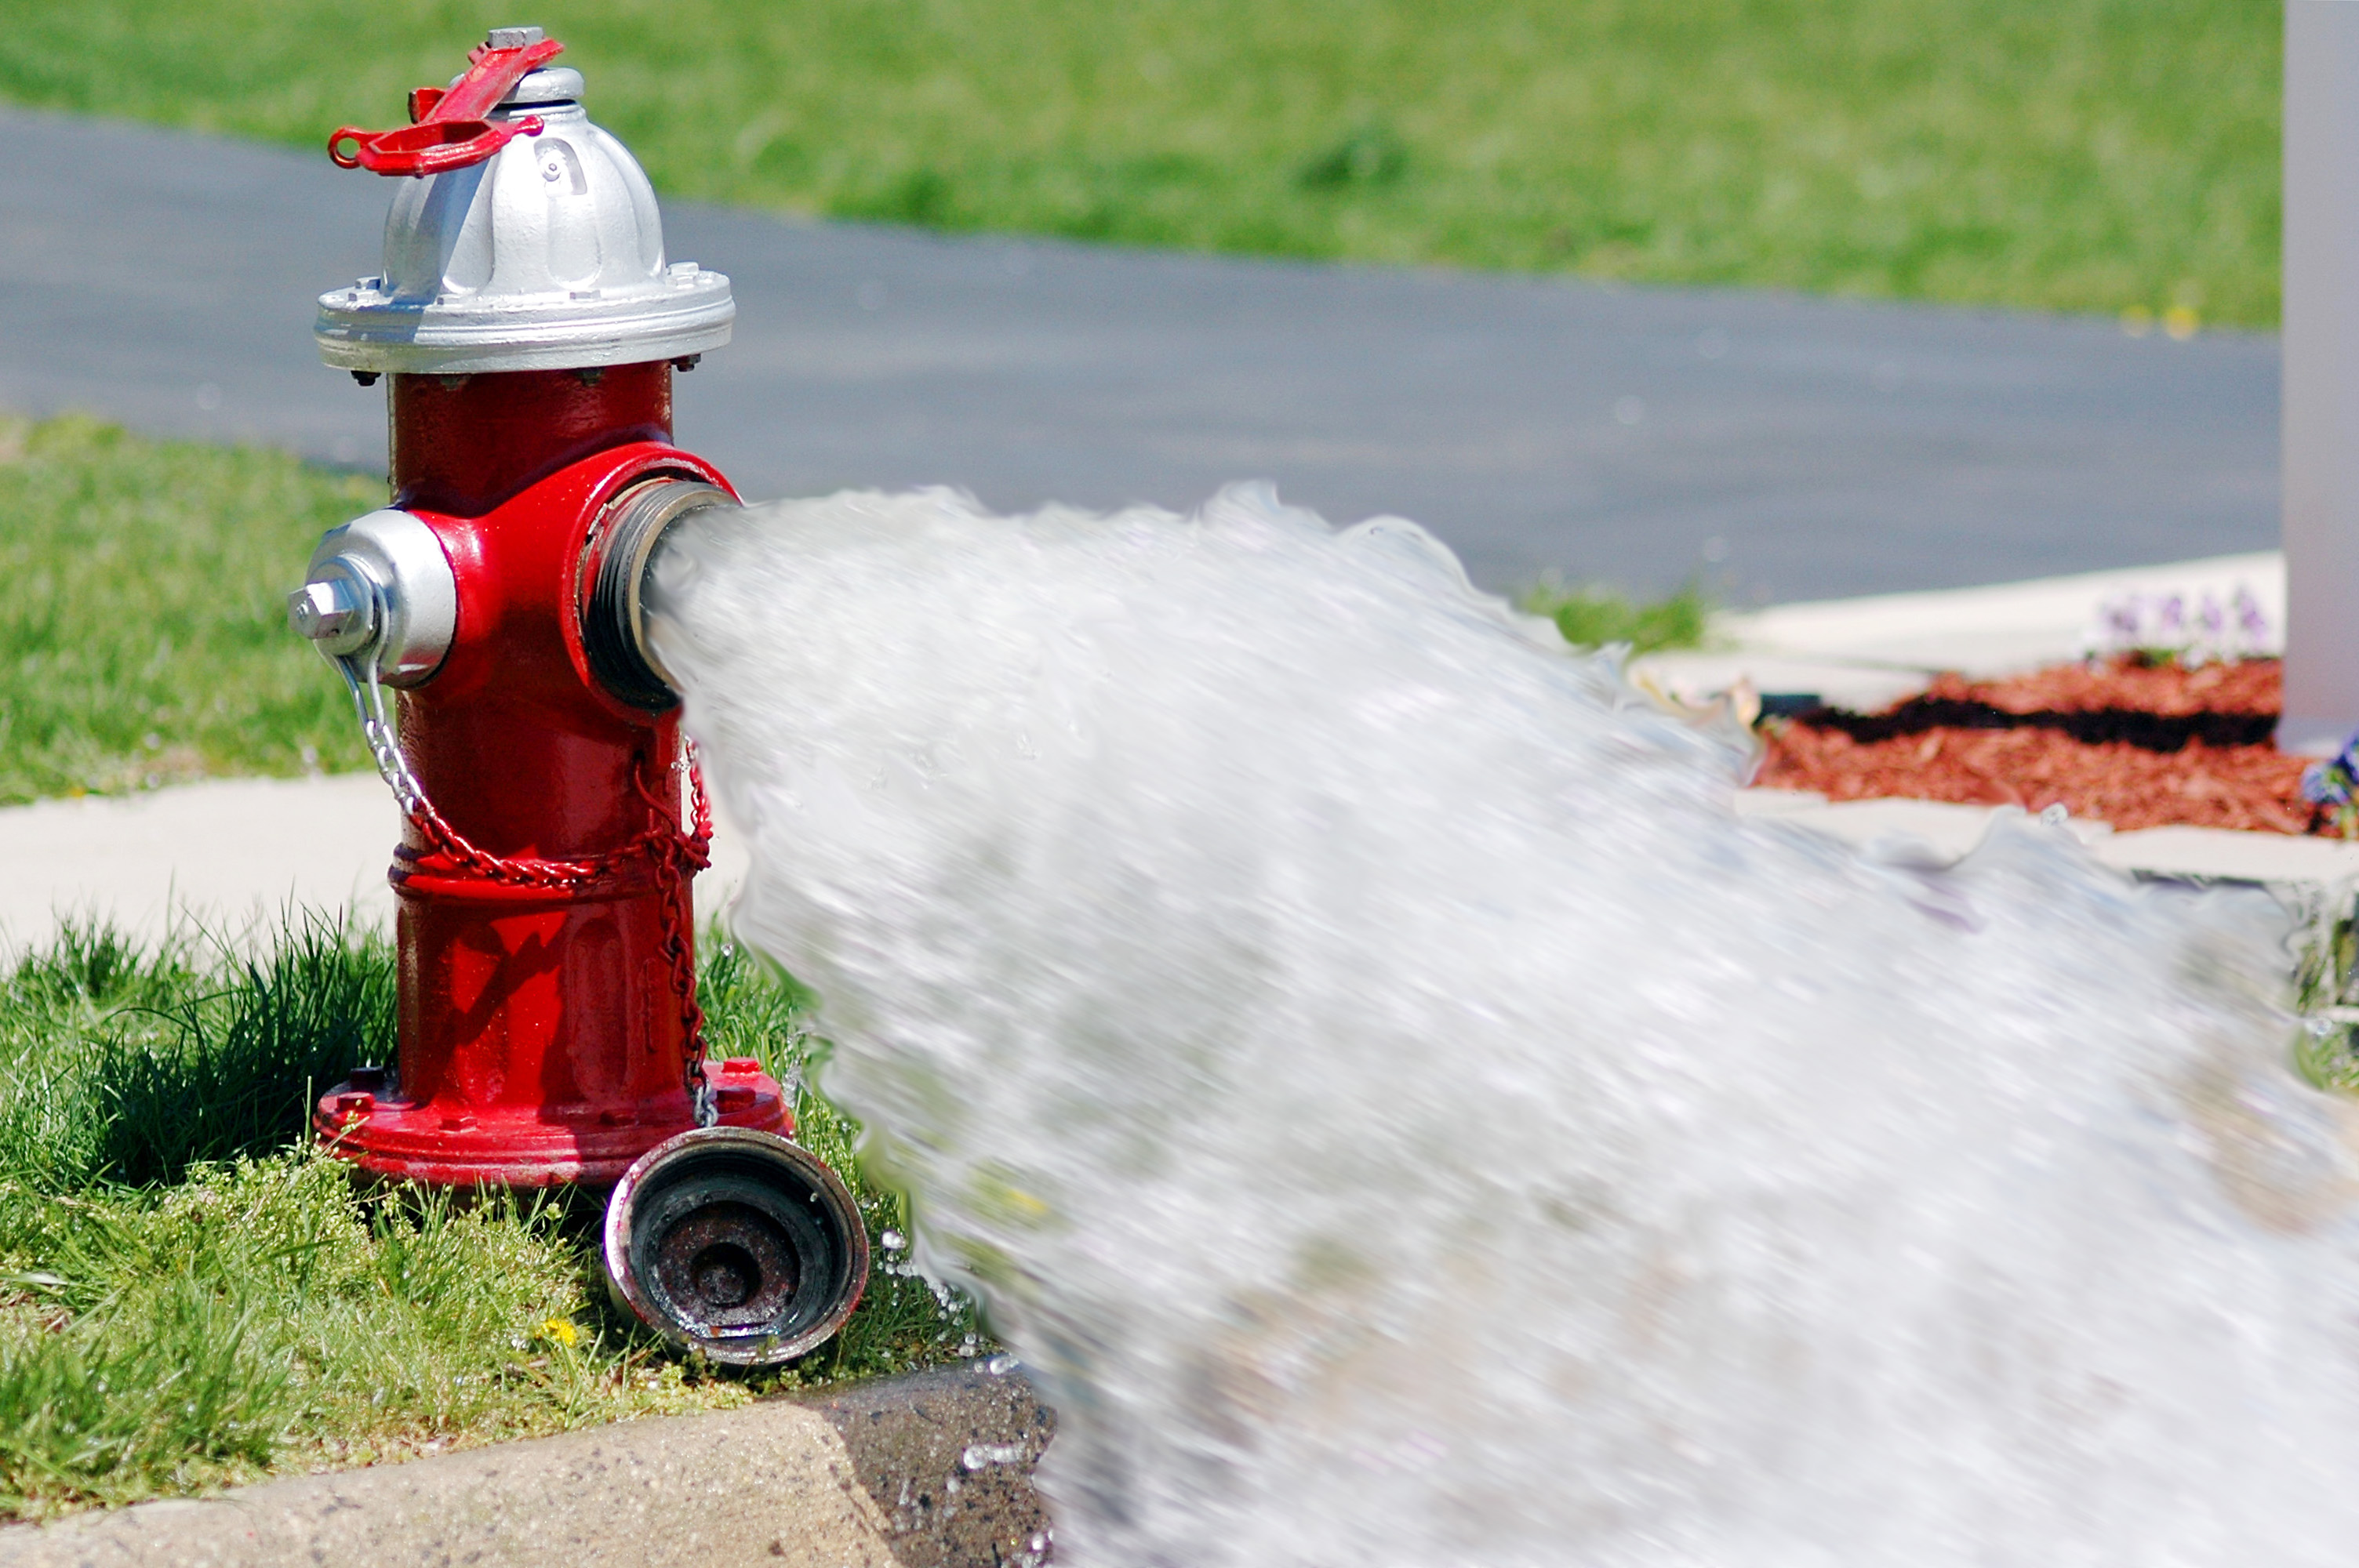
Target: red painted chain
<point x="682" y="856"/>
<point x="518" y="871"/>
<point x="674" y="856"/>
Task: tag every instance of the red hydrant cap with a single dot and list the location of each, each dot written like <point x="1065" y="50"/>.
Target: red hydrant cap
<point x="448" y="128"/>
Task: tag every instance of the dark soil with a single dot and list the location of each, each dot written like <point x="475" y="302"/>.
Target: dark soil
<point x="2133" y="743"/>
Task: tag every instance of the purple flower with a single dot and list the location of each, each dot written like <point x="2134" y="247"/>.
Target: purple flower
<point x="2248" y="615"/>
<point x="2335" y="781"/>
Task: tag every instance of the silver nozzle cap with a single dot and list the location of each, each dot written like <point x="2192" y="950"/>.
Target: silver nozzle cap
<point x="380" y="590"/>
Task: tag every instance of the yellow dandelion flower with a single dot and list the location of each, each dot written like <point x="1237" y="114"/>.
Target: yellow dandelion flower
<point x="560" y="1331"/>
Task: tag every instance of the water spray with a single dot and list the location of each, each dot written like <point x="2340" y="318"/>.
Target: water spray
<point x="1400" y="1116"/>
<point x="554" y="819"/>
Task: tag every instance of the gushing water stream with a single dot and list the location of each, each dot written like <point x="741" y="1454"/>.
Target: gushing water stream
<point x="1408" y="1120"/>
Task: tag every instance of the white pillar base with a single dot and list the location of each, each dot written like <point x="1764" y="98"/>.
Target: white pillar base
<point x="2320" y="339"/>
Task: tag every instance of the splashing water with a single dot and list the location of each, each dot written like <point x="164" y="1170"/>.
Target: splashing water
<point x="1406" y="1118"/>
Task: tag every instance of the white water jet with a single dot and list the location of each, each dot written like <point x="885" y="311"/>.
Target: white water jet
<point x="1410" y="1120"/>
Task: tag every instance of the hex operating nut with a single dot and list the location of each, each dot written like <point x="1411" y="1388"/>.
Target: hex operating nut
<point x="332" y="612"/>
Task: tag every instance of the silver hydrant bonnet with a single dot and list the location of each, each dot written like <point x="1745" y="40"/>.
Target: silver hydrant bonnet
<point x="547" y="255"/>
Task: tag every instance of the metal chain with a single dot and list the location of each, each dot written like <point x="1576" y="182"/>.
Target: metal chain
<point x="687" y="854"/>
<point x="385" y="748"/>
<point x="674" y="856"/>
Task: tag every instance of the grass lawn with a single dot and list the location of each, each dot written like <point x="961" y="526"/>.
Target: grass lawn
<point x="2107" y="154"/>
<point x="143" y="627"/>
<point x="190" y="1296"/>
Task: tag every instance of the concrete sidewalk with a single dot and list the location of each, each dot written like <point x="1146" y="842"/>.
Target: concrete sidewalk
<point x="1771" y="444"/>
<point x="226" y="860"/>
<point x="1865" y="653"/>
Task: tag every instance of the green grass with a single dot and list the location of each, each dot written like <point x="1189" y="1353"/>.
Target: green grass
<point x="143" y="630"/>
<point x="190" y="1296"/>
<point x="2101" y="154"/>
<point x="1592" y="617"/>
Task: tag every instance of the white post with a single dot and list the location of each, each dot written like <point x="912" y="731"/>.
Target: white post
<point x="2320" y="345"/>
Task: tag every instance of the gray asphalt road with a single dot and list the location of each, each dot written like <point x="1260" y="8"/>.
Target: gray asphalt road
<point x="1786" y="448"/>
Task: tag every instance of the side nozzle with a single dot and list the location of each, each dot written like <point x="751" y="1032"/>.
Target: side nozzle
<point x="615" y="563"/>
<point x="380" y="588"/>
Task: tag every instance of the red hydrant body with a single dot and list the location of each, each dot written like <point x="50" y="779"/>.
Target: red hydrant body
<point x="546" y="1027"/>
<point x="554" y="821"/>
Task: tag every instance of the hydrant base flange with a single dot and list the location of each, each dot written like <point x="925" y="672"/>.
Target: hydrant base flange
<point x="529" y="1145"/>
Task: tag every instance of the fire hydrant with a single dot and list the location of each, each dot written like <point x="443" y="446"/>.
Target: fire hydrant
<point x="550" y="1030"/>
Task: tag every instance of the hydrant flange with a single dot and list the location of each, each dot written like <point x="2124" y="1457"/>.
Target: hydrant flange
<point x="614" y="571"/>
<point x="741" y="1246"/>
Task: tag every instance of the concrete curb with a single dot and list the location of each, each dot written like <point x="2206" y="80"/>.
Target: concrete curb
<point x="932" y="1470"/>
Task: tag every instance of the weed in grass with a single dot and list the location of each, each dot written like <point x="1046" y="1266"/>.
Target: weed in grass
<point x="127" y="1069"/>
<point x="2081" y="154"/>
<point x="1593" y="617"/>
<point x="143" y="628"/>
<point x="212" y="1076"/>
<point x="1371" y="156"/>
<point x="191" y="1296"/>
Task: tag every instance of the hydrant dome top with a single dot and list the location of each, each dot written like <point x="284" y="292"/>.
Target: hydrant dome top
<point x="547" y="255"/>
<point x="550" y="84"/>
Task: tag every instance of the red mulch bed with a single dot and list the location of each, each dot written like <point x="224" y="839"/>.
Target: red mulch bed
<point x="2124" y="741"/>
<point x="2251" y="687"/>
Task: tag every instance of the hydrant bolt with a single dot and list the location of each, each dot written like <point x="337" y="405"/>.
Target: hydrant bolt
<point x="335" y="614"/>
